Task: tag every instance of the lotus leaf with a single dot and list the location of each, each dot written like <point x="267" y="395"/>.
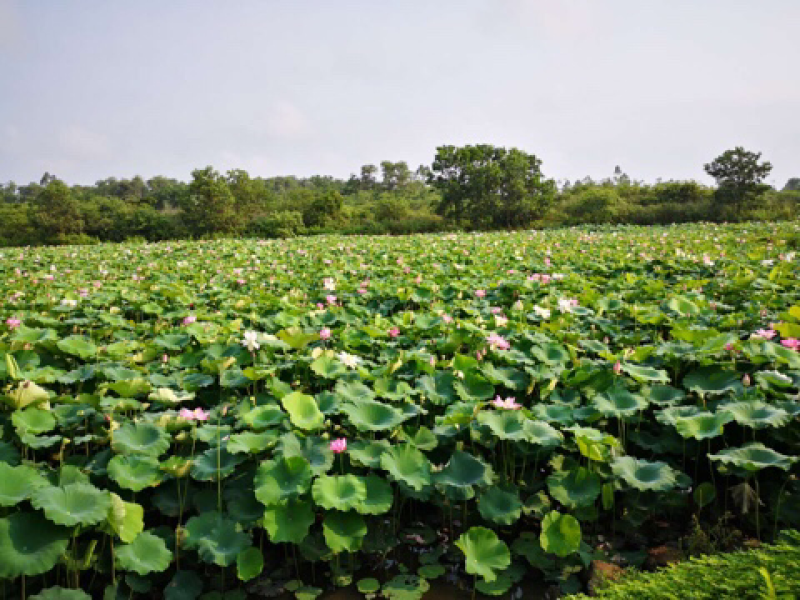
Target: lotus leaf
<point x="754" y="457"/>
<point x="561" y="534"/>
<point x="249" y="563"/>
<point x="463" y="470"/>
<point x="72" y="504"/>
<point x="407" y="464"/>
<point x="146" y="554"/>
<point x="289" y="522"/>
<point x="217" y="538"/>
<point x="757" y="415"/>
<point x="125" y="518"/>
<point x="371" y="415"/>
<point x="135" y="472"/>
<point x="485" y="553"/>
<point x="59" y="593"/>
<point x="344" y="531"/>
<point x="712" y="380"/>
<point x="500" y="506"/>
<point x="264" y="417"/>
<point x="575" y="487"/>
<point x="703" y="425"/>
<point x="405" y="587"/>
<point x="282" y="478"/>
<point x="215" y="463"/>
<point x="303" y="411"/>
<point x="18" y="483"/>
<point x="340" y="492"/>
<point x="30" y="544"/>
<point x="379" y="496"/>
<point x="140" y="438"/>
<point x="619" y="402"/>
<point x="645" y="475"/>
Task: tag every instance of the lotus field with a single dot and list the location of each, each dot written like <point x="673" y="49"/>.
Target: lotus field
<point x="241" y="418"/>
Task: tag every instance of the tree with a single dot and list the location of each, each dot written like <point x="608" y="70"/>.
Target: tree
<point x="486" y="186"/>
<point x="57" y="212"/>
<point x="394" y="175"/>
<point x="793" y="185"/>
<point x="739" y="176"/>
<point x="209" y="207"/>
<point x="326" y="207"/>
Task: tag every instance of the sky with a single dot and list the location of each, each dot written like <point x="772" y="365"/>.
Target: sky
<point x="91" y="89"/>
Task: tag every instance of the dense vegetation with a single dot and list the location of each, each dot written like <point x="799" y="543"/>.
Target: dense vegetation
<point x="468" y="188"/>
<point x="222" y="418"/>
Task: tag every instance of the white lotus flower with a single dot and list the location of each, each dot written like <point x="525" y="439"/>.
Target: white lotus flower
<point x="250" y="341"/>
<point x="349" y="359"/>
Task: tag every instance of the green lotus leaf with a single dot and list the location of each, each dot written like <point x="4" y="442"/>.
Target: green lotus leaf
<point x="77" y="345"/>
<point x="59" y="593"/>
<point x="379" y="496"/>
<point x="509" y="377"/>
<point x="551" y="353"/>
<point x="619" y="402"/>
<point x="561" y="534"/>
<point x="283" y="478"/>
<point x="774" y="379"/>
<point x="645" y="475"/>
<point x="215" y="463"/>
<point x="165" y="395"/>
<point x="367" y="453"/>
<point x="431" y="571"/>
<point x="135" y="472"/>
<point x="248" y="442"/>
<point x="340" y="492"/>
<point x="307" y="592"/>
<point x="217" y="538"/>
<point x="289" y="522"/>
<point x="463" y="470"/>
<point x="754" y="457"/>
<point x="315" y="450"/>
<point x="499" y="586"/>
<point x="130" y="388"/>
<point x="645" y="374"/>
<point x="249" y="563"/>
<point x="370" y="585"/>
<point x="303" y="411"/>
<point x="140" y="438"/>
<point x="371" y="415"/>
<point x="33" y="421"/>
<point x="562" y="414"/>
<point x="500" y="506"/>
<point x="184" y="585"/>
<point x="757" y="415"/>
<point x="406" y="463"/>
<point x="712" y="380"/>
<point x="344" y="531"/>
<point x="392" y="389"/>
<point x="473" y="387"/>
<point x="485" y="553"/>
<point x="504" y="424"/>
<point x="327" y="367"/>
<point x="146" y="554"/>
<point x="664" y="395"/>
<point x="703" y="425"/>
<point x="72" y="504"/>
<point x="438" y="389"/>
<point x="542" y="434"/>
<point x="704" y="494"/>
<point x="670" y="416"/>
<point x="18" y="483"/>
<point x="30" y="545"/>
<point x="264" y="417"/>
<point x="405" y="587"/>
<point x="575" y="487"/>
<point x="125" y="518"/>
<point x="27" y="393"/>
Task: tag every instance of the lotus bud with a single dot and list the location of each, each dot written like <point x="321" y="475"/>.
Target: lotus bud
<point x="746" y="380"/>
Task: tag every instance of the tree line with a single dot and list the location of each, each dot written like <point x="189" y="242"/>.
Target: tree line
<point x="474" y="187"/>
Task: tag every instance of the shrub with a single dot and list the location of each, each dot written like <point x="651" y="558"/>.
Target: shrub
<point x="740" y="575"/>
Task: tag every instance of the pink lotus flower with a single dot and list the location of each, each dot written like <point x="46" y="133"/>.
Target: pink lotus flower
<point x="766" y="334"/>
<point x="447" y="318"/>
<point x="617" y="368"/>
<point x="189" y="320"/>
<point x="339" y="445"/>
<point x="198" y="414"/>
<point x="792" y="343"/>
<point x="324" y="333"/>
<point x="498" y="342"/>
<point x="330" y="299"/>
<point x="13" y="323"/>
<point x="507" y="404"/>
<point x="394" y="332"/>
<point x="480" y="293"/>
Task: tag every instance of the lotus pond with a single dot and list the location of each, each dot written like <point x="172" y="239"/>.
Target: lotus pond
<point x="386" y="416"/>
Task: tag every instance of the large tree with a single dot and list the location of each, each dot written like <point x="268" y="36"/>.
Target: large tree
<point x="210" y="207"/>
<point x="486" y="186"/>
<point x="739" y="176"/>
<point x="57" y="211"/>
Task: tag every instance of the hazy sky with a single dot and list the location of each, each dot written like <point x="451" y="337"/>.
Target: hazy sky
<point x="91" y="89"/>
